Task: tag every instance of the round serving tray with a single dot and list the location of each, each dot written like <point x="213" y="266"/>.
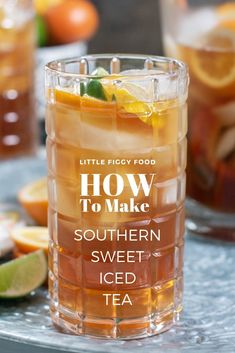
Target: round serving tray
<point x="207" y="323"/>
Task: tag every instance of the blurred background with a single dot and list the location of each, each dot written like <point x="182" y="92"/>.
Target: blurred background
<point x="199" y="32"/>
<point x="128" y="26"/>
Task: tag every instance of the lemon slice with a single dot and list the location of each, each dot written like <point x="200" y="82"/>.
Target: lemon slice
<point x="215" y="65"/>
<point x="133" y="99"/>
<point x="29" y="239"/>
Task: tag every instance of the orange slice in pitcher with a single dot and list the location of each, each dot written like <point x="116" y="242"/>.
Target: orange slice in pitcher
<point x="214" y="64"/>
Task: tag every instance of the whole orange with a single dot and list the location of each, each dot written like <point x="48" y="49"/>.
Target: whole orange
<point x="71" y="21"/>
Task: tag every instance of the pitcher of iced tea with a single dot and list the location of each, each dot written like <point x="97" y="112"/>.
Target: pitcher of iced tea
<point x="203" y="35"/>
<point x="116" y="150"/>
<point x="18" y="127"/>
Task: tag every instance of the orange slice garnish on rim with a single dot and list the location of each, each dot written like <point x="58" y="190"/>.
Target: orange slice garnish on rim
<point x="214" y="64"/>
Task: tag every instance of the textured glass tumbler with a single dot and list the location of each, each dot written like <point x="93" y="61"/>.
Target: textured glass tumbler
<point x="203" y="35"/>
<point x="116" y="152"/>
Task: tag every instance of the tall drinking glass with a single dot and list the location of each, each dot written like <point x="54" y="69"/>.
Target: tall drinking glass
<point x="116" y="151"/>
<point x="18" y="127"/>
<point x="203" y="35"/>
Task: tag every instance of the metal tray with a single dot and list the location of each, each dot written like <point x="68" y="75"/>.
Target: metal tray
<point x="207" y="324"/>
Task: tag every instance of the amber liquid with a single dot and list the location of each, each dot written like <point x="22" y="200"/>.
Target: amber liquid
<point x="18" y="128"/>
<point x="211" y="150"/>
<point x="103" y="132"/>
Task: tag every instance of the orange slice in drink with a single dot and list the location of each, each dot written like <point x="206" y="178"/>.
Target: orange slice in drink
<point x="29" y="239"/>
<point x="67" y="98"/>
<point x="33" y="198"/>
<point x="214" y="64"/>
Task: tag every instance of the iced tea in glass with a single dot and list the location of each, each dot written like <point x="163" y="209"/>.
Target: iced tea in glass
<point x="116" y="150"/>
<point x="203" y="35"/>
<point x="18" y="128"/>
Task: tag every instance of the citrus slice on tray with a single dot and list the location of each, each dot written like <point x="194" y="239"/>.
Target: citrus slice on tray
<point x="29" y="239"/>
<point x="21" y="276"/>
<point x="33" y="198"/>
<point x="9" y="217"/>
<point x="8" y="220"/>
<point x="214" y="65"/>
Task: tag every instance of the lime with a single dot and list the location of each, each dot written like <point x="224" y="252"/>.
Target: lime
<point x="95" y="89"/>
<point x="21" y="276"/>
<point x="100" y="72"/>
<point x="82" y="89"/>
<point x="41" y="31"/>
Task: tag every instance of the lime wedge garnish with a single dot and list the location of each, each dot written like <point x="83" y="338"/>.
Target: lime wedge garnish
<point x="95" y="89"/>
<point x="21" y="276"/>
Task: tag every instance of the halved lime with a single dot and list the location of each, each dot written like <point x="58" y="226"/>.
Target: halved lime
<point x="21" y="276"/>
